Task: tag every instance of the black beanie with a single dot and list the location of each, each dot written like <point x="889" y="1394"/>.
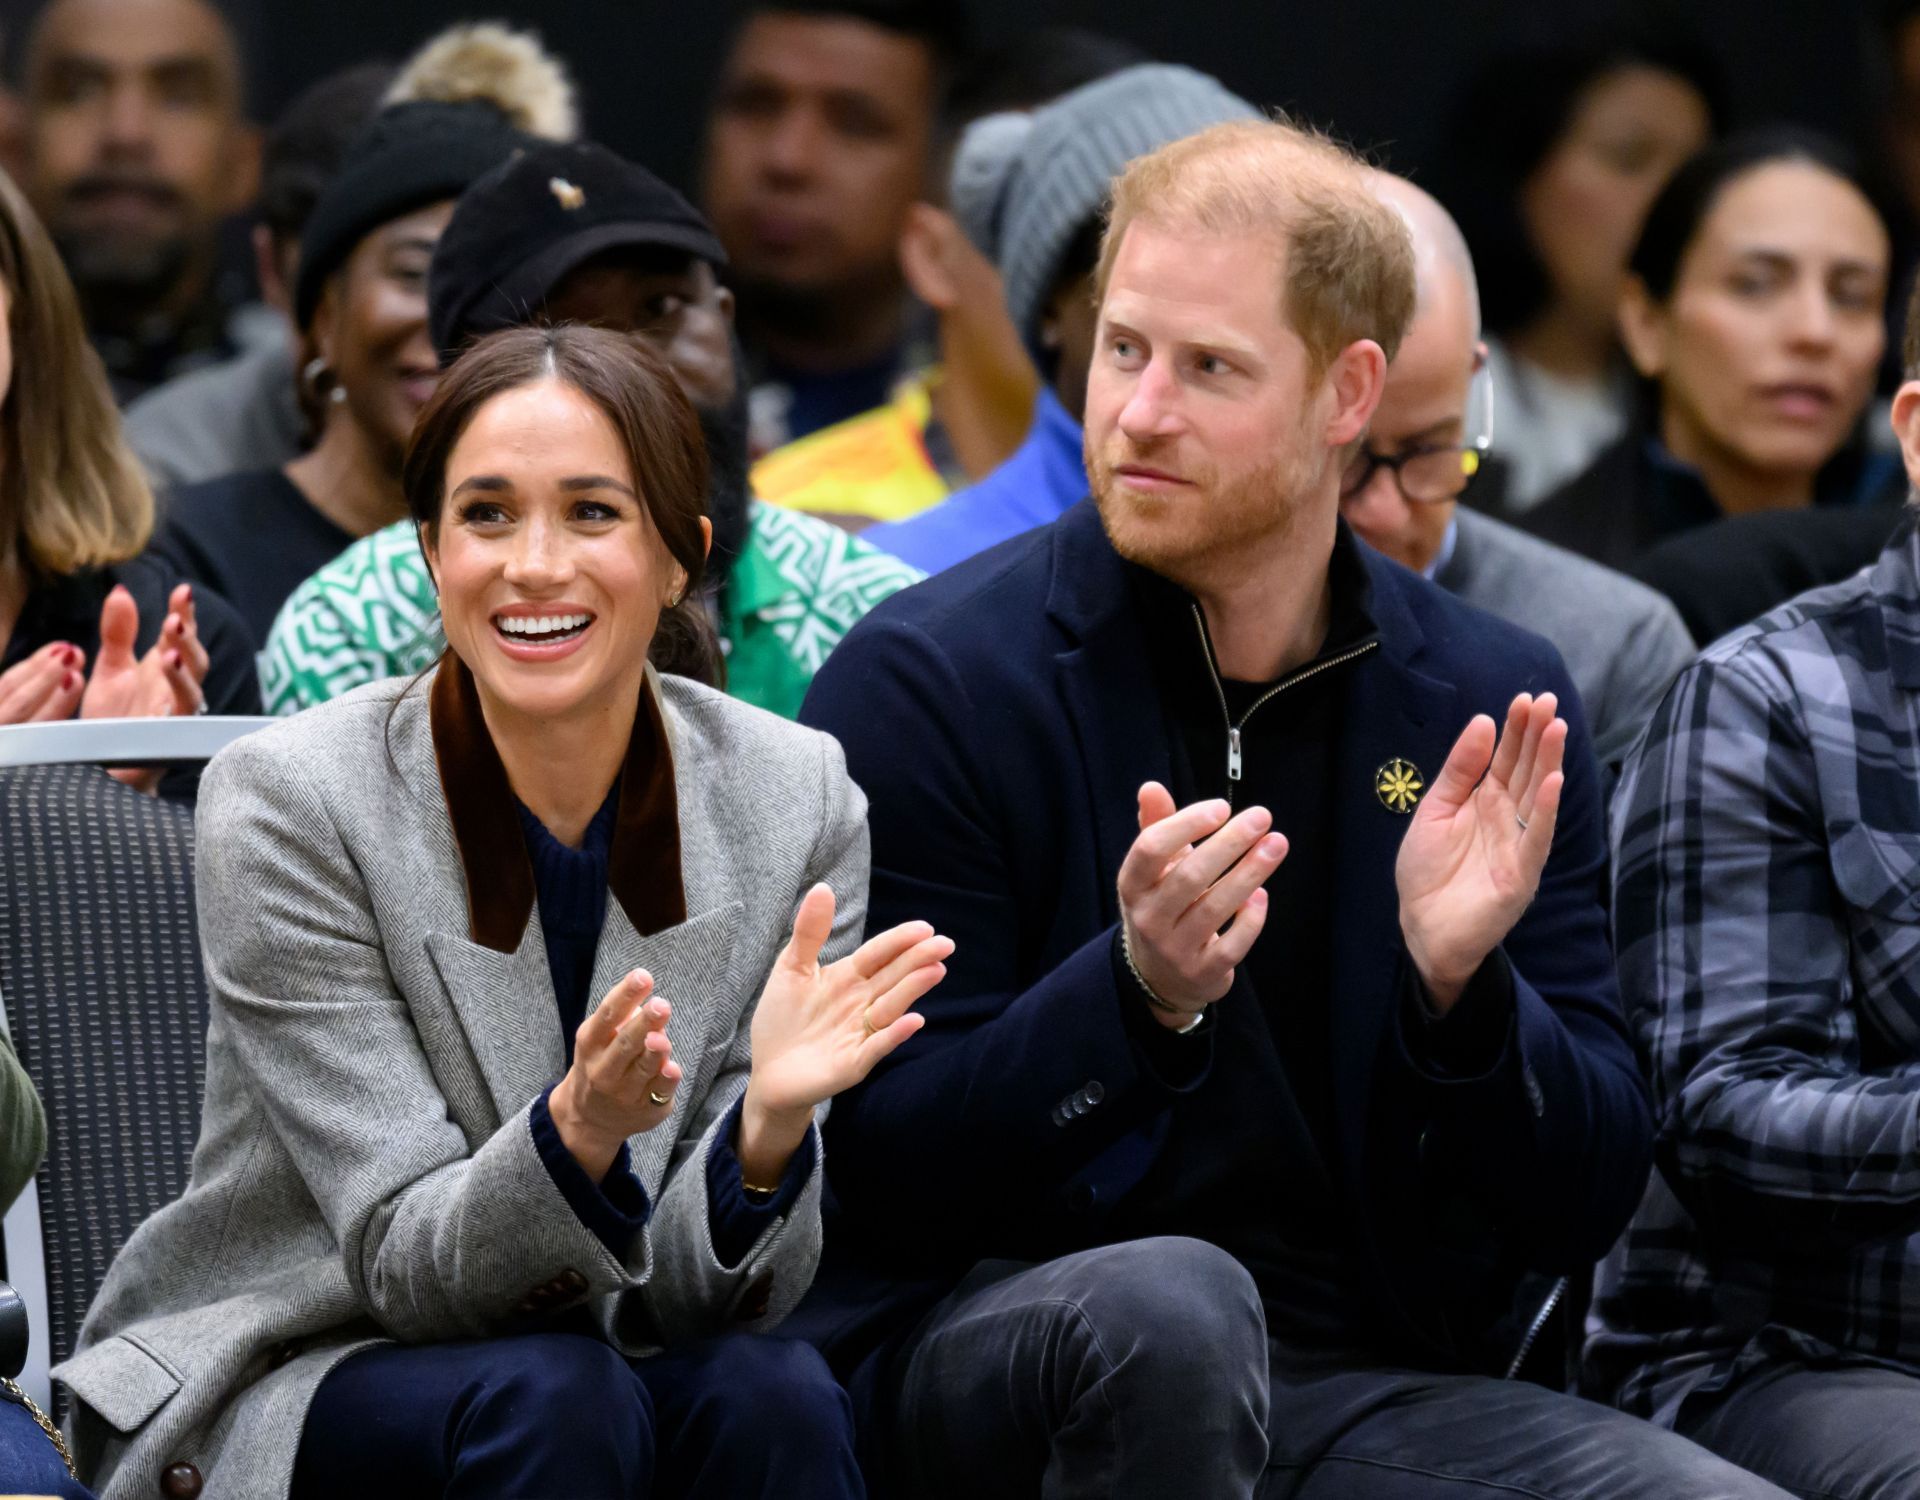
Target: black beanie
<point x="409" y="155"/>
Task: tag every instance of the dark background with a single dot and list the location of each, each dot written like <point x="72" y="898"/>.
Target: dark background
<point x="1382" y="73"/>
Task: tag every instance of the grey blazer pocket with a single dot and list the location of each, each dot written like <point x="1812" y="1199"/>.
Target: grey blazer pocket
<point x="122" y="1379"/>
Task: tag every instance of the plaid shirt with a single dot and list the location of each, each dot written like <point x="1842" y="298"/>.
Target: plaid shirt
<point x="1767" y="884"/>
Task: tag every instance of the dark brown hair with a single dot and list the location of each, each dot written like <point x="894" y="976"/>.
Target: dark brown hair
<point x="657" y="426"/>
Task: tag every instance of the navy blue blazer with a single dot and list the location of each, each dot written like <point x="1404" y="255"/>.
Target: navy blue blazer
<point x="1000" y="718"/>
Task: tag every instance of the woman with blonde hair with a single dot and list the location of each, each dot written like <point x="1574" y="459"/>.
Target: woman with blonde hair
<point x="88" y="624"/>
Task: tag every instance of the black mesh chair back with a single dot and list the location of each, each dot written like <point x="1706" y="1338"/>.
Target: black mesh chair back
<point x="107" y="1005"/>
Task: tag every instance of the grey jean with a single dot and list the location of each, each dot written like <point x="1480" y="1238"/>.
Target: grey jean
<point x="1144" y="1370"/>
<point x="1843" y="1432"/>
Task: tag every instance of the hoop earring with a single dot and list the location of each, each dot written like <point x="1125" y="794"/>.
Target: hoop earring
<point x="312" y="374"/>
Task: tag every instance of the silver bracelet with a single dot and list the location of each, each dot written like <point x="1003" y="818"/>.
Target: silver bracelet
<point x="1165" y="1007"/>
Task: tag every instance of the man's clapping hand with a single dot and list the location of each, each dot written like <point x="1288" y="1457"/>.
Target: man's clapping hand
<point x="1473" y="856"/>
<point x="1190" y="874"/>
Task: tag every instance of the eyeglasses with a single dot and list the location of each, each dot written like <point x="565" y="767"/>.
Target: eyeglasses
<point x="1426" y="476"/>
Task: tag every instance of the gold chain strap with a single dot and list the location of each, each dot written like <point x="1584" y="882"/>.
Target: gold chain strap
<point x="45" y="1424"/>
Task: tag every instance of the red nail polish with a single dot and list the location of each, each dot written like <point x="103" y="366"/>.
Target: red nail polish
<point x="68" y="681"/>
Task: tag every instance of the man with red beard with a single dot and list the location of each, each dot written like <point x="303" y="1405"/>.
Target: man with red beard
<point x="1281" y="1038"/>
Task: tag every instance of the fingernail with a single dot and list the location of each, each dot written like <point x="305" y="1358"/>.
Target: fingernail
<point x="69" y="680"/>
<point x="1273" y="846"/>
<point x="173" y="658"/>
<point x="1218" y="809"/>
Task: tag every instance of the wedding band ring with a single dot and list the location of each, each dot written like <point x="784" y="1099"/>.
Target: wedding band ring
<point x="1521" y="821"/>
<point x="658" y="1098"/>
<point x="866" y="1020"/>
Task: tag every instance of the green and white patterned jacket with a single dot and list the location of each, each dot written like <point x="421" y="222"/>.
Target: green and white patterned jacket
<point x="797" y="588"/>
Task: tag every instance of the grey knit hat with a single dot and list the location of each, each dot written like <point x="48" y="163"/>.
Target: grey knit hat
<point x="1023" y="185"/>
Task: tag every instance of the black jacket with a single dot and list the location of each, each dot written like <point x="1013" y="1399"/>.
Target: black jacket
<point x="999" y="718"/>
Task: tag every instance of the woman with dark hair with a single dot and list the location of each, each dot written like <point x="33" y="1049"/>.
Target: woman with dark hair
<point x="90" y="623"/>
<point x="530" y="979"/>
<point x="1753" y="314"/>
<point x="1558" y="151"/>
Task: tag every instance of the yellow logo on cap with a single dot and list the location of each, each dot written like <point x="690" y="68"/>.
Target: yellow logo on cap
<point x="570" y="196"/>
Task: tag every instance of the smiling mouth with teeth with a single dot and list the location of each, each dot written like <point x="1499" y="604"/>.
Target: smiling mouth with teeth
<point x="542" y="628"/>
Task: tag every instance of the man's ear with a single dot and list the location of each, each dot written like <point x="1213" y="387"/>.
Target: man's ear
<point x="1357" y="378"/>
<point x="923" y="256"/>
<point x="1643" y="329"/>
<point x="243" y="168"/>
<point x="706" y="537"/>
<point x="1906" y="427"/>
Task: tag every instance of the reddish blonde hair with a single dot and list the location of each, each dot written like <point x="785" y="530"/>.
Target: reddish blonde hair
<point x="1347" y="259"/>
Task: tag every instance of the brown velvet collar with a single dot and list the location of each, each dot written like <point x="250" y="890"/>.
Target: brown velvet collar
<point x="643" y="866"/>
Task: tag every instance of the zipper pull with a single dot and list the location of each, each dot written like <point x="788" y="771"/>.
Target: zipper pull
<point x="1233" y="753"/>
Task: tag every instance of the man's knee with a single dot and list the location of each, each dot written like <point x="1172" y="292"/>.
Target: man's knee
<point x="1174" y="1300"/>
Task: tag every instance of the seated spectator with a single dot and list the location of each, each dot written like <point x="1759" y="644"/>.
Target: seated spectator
<point x="1044" y="224"/>
<point x="361" y="304"/>
<point x="816" y="148"/>
<point x="1554" y="156"/>
<point x="90" y="624"/>
<point x="1622" y="643"/>
<point x="1276" y="1043"/>
<point x="962" y="419"/>
<point x="1765" y="891"/>
<point x="244" y="413"/>
<point x="522" y="1202"/>
<point x="30" y="1461"/>
<point x="1752" y="313"/>
<point x="616" y="247"/>
<point x="138" y="151"/>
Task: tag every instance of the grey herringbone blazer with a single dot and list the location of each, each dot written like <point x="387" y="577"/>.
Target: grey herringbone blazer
<point x="366" y="1168"/>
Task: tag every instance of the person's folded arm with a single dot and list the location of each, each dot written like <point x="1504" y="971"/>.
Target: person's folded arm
<point x="1737" y="969"/>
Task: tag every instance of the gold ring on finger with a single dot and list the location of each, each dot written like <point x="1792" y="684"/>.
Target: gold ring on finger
<point x="866" y="1020"/>
<point x="659" y="1098"/>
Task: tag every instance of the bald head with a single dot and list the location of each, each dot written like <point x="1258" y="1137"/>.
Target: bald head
<point x="1442" y="262"/>
<point x="136" y="146"/>
<point x="1424" y="408"/>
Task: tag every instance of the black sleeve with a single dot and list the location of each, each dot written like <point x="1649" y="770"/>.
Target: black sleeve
<point x="233" y="678"/>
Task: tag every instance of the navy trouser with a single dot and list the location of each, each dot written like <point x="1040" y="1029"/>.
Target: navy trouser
<point x="29" y="1463"/>
<point x="562" y="1414"/>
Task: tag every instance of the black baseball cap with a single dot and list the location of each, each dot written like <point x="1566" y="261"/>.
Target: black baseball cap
<point x="518" y="231"/>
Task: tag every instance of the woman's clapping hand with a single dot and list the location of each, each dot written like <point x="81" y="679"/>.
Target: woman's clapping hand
<point x="819" y="1029"/>
<point x="44" y="687"/>
<point x="623" y="1076"/>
